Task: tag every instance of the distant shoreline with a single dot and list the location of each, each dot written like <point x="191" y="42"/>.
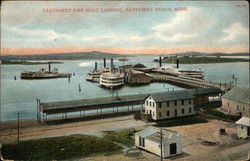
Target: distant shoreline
<point x="201" y="60"/>
<point x="24" y="62"/>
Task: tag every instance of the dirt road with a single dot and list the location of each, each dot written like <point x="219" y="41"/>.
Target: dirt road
<point x="92" y="127"/>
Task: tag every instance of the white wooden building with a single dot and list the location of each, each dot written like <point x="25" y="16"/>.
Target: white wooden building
<point x="169" y="105"/>
<point x="237" y="101"/>
<point x="150" y="140"/>
<point x="243" y="127"/>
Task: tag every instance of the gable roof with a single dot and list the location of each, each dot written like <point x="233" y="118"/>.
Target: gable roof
<point x="239" y="94"/>
<point x="244" y="121"/>
<point x="154" y="134"/>
<point x="170" y="96"/>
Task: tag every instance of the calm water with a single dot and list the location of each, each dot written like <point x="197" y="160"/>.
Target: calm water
<point x="20" y="95"/>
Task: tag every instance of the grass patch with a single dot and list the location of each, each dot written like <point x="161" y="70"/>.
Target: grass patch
<point x="217" y="113"/>
<point x="59" y="148"/>
<point x="182" y="121"/>
<point x="125" y="137"/>
<point x="200" y="60"/>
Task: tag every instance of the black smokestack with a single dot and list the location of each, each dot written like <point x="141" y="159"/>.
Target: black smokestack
<point x="95" y="65"/>
<point x="104" y="62"/>
<point x="49" y="66"/>
<point x="111" y="65"/>
<point x="177" y="63"/>
<point x="160" y="61"/>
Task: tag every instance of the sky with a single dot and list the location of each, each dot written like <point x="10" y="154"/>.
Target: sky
<point x="126" y="27"/>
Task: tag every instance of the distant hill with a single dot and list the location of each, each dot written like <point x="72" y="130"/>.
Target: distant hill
<point x="195" y="53"/>
<point x="63" y="56"/>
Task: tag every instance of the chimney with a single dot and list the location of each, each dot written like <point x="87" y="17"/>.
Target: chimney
<point x="49" y="66"/>
<point x="95" y="66"/>
<point x="160" y="61"/>
<point x="177" y="63"/>
<point x="104" y="62"/>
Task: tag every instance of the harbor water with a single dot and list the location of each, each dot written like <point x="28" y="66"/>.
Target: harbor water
<point x="20" y="95"/>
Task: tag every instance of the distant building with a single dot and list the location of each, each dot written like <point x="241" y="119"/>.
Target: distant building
<point x="243" y="127"/>
<point x="169" y="104"/>
<point x="237" y="101"/>
<point x="150" y="140"/>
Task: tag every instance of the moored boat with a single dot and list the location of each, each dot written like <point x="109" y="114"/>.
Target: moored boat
<point x="111" y="80"/>
<point x="44" y="74"/>
<point x="194" y="73"/>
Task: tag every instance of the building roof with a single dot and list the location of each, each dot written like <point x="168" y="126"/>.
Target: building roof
<point x="71" y="105"/>
<point x="139" y="65"/>
<point x="154" y="134"/>
<point x="239" y="94"/>
<point x="244" y="121"/>
<point x="198" y="91"/>
<point x="170" y="96"/>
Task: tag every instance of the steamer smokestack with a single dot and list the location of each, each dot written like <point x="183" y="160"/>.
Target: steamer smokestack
<point x="95" y="66"/>
<point x="104" y="62"/>
<point x="160" y="61"/>
<point x="111" y="65"/>
<point x="177" y="63"/>
<point x="49" y="66"/>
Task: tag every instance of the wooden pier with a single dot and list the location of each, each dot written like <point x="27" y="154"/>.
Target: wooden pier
<point x="188" y="81"/>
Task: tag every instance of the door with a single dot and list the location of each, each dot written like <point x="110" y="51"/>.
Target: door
<point x="173" y="148"/>
<point x="248" y="131"/>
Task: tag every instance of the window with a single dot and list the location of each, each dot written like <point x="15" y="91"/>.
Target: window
<point x="153" y="104"/>
<point x="242" y="127"/>
<point x="168" y="113"/>
<point x="228" y="104"/>
<point x="182" y="102"/>
<point x="189" y="101"/>
<point x="190" y="110"/>
<point x="182" y="111"/>
<point x="175" y="103"/>
<point x="167" y="103"/>
<point x="159" y="114"/>
<point x="237" y="107"/>
<point x="149" y="103"/>
<point x="159" y="104"/>
<point x="153" y="113"/>
<point x="243" y="108"/>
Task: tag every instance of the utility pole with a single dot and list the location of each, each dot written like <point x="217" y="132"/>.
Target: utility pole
<point x="37" y="117"/>
<point x="161" y="145"/>
<point x="18" y="126"/>
<point x="39" y="112"/>
<point x="141" y="103"/>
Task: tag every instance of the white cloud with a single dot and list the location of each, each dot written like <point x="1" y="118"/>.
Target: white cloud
<point x="234" y="31"/>
<point x="184" y="26"/>
<point x="48" y="34"/>
<point x="31" y="36"/>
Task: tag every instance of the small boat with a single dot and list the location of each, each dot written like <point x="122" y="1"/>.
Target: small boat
<point x="111" y="80"/>
<point x="123" y="59"/>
